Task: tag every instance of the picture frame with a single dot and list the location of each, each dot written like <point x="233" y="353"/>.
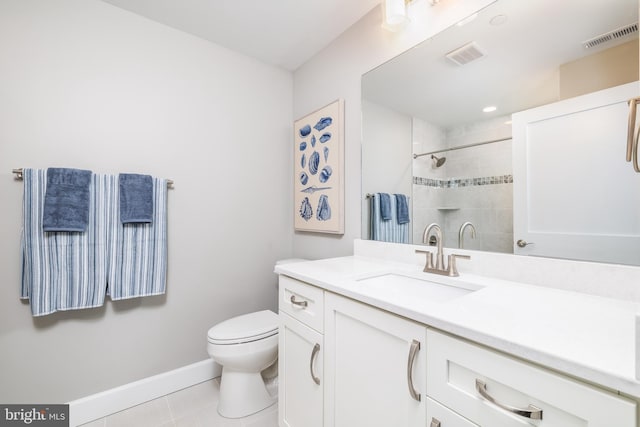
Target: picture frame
<point x="319" y="170"/>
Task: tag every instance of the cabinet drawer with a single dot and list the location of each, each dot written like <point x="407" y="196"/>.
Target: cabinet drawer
<point x="439" y="416"/>
<point x="302" y="302"/>
<point x="459" y="373"/>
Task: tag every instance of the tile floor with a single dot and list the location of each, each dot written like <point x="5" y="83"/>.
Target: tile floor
<point x="193" y="407"/>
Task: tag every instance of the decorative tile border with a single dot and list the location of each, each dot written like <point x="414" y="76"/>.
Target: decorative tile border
<point x="463" y="182"/>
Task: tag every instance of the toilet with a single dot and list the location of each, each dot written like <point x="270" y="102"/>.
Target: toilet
<point x="244" y="346"/>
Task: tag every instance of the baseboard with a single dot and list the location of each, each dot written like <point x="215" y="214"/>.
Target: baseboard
<point x="108" y="402"/>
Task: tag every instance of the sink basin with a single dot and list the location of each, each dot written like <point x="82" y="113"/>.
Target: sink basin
<point x="400" y="285"/>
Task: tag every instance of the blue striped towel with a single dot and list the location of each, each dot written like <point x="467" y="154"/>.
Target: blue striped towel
<point x="63" y="270"/>
<point x="387" y="230"/>
<point x="138" y="264"/>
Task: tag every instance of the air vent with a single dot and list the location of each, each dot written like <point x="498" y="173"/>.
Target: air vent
<point x="465" y="54"/>
<point x="611" y="35"/>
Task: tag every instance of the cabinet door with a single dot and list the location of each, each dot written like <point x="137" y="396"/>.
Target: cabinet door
<point x="300" y="370"/>
<point x="374" y="360"/>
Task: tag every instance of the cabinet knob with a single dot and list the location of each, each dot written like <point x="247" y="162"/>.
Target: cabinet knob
<point x="434" y="423"/>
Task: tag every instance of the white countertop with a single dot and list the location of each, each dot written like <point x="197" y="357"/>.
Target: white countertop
<point x="586" y="336"/>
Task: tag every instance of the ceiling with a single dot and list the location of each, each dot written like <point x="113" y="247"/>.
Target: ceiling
<point x="285" y="33"/>
<point x="520" y="69"/>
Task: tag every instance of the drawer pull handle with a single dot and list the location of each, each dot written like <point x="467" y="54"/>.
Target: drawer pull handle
<point x="415" y="347"/>
<point x="314" y="354"/>
<point x="532" y="412"/>
<point x="434" y="423"/>
<point x="303" y="304"/>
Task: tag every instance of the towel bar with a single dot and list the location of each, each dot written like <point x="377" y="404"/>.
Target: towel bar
<point x="18" y="177"/>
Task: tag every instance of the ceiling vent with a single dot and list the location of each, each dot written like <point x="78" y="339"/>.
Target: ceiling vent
<point x="611" y="35"/>
<point x="465" y="54"/>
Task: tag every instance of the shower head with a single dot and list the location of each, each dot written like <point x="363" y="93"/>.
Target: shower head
<point x="438" y="161"/>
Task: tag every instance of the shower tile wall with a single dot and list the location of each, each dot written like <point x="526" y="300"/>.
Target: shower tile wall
<point x="474" y="184"/>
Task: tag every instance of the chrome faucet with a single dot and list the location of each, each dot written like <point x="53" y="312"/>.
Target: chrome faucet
<point x="425" y="239"/>
<point x="461" y="233"/>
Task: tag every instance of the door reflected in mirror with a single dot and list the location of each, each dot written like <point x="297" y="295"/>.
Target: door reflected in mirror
<point x="437" y="127"/>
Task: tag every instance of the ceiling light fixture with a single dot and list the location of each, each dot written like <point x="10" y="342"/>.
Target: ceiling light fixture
<point x="394" y="14"/>
<point x="489" y="109"/>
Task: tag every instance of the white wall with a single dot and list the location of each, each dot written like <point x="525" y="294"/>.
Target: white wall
<point x="386" y="162"/>
<point x="335" y="73"/>
<point x="85" y="84"/>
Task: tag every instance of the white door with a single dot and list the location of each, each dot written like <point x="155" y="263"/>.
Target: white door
<point x="374" y="367"/>
<point x="300" y="391"/>
<point x="575" y="196"/>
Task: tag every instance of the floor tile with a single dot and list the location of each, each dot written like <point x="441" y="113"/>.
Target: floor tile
<point x="207" y="417"/>
<point x="153" y="413"/>
<point x="97" y="423"/>
<point x="265" y="418"/>
<point x="193" y="398"/>
<point x="195" y="406"/>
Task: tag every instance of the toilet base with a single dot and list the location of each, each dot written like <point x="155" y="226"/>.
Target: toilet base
<point x="242" y="394"/>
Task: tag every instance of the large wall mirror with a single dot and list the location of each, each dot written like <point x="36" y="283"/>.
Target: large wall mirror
<point x="509" y="130"/>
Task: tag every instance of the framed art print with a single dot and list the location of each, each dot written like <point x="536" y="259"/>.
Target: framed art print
<point x="319" y="170"/>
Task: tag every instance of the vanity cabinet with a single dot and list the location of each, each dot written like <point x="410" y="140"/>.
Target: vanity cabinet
<point x="374" y="366"/>
<point x="343" y="363"/>
<point x="300" y="358"/>
<point x="493" y="389"/>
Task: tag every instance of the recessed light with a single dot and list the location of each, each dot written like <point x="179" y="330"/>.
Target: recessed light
<point x="498" y="20"/>
<point x="489" y="109"/>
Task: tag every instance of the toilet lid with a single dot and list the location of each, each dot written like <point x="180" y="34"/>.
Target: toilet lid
<point x="248" y="327"/>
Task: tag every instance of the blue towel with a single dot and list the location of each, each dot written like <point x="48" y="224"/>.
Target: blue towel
<point x="403" y="209"/>
<point x="136" y="198"/>
<point x="387" y="231"/>
<point x="385" y="206"/>
<point x="66" y="200"/>
<point x="138" y="256"/>
<point x="65" y="271"/>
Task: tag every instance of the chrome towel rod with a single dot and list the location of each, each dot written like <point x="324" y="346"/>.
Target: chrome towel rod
<point x="444" y="150"/>
<point x="18" y="176"/>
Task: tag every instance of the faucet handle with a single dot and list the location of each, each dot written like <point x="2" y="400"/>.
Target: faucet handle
<point x="452" y="271"/>
<point x="429" y="263"/>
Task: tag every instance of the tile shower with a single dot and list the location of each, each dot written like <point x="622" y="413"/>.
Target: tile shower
<point x="474" y="184"/>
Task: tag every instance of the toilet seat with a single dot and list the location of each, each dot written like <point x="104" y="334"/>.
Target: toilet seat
<point x="245" y="328"/>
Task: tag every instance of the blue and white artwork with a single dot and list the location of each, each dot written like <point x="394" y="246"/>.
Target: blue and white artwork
<point x="319" y="186"/>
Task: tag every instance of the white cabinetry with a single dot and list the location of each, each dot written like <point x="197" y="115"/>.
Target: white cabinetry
<point x="374" y="366"/>
<point x="343" y="363"/>
<point x="492" y="389"/>
<point x="440" y="416"/>
<point x="300" y="359"/>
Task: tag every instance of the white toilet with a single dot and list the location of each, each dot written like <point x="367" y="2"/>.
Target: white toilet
<point x="244" y="346"/>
